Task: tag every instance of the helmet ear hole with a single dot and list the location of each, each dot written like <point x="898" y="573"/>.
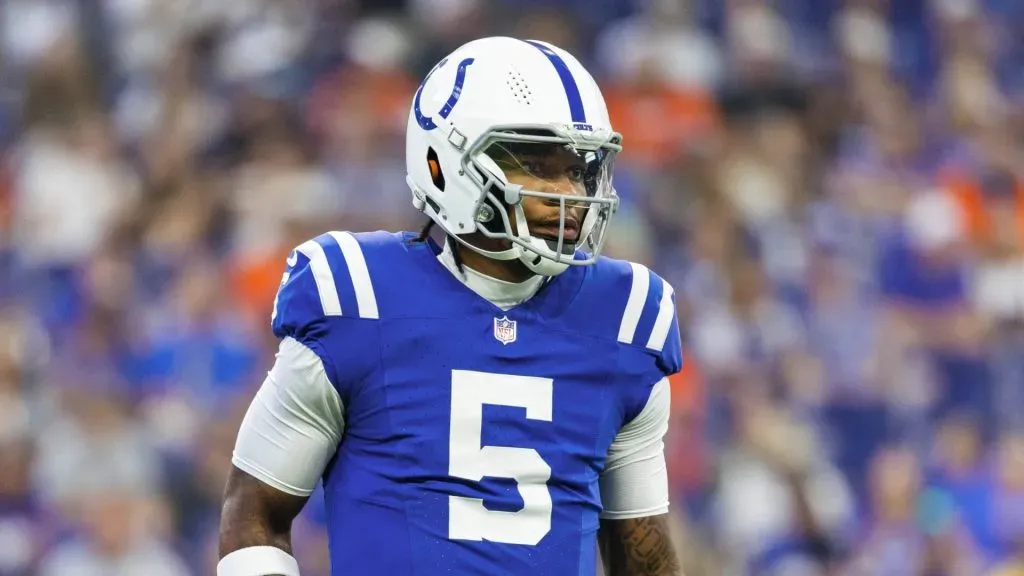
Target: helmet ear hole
<point x="434" y="166"/>
<point x="495" y="224"/>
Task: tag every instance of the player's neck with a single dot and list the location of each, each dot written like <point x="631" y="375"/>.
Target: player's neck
<point x="505" y="270"/>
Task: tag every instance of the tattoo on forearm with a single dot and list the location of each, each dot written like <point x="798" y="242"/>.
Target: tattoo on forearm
<point x="255" y="514"/>
<point x="638" y="547"/>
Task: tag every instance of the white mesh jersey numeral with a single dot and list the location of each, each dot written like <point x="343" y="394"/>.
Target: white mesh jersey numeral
<point x="468" y="519"/>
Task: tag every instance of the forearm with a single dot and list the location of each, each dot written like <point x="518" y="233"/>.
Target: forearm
<point x="255" y="514"/>
<point x="638" y="547"/>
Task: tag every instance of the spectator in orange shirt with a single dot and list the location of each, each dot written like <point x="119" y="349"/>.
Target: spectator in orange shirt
<point x="990" y="204"/>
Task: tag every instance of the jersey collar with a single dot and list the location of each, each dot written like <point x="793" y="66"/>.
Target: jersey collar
<point x="504" y="295"/>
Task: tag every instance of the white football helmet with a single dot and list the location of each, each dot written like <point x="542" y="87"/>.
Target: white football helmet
<point x="490" y="103"/>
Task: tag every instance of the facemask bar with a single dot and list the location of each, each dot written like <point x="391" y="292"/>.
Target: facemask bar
<point x="599" y="207"/>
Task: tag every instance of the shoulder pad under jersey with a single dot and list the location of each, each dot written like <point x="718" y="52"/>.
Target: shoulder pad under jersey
<point x="325" y="277"/>
<point x="649" y="320"/>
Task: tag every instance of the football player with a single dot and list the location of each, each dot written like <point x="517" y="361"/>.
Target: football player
<point x="491" y="404"/>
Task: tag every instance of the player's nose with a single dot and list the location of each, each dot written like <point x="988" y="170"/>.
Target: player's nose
<point x="574" y="211"/>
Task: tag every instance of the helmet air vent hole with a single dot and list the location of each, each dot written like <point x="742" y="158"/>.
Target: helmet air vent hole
<point x="434" y="166"/>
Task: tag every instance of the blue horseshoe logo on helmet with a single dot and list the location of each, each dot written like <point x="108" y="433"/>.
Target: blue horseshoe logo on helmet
<point x="426" y="122"/>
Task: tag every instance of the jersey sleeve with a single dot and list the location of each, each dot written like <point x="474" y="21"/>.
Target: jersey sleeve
<point x="327" y="303"/>
<point x="634" y="482"/>
<point x="649" y="320"/>
<point x="294" y="424"/>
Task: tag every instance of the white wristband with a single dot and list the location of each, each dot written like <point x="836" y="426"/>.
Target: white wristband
<point x="258" y="561"/>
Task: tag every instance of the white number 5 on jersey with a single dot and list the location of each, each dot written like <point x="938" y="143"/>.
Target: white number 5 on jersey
<point x="467" y="517"/>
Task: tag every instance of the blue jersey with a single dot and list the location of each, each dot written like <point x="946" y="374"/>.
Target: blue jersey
<point x="474" y="437"/>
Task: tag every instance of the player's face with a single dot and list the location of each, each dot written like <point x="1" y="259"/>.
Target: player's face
<point x="552" y="169"/>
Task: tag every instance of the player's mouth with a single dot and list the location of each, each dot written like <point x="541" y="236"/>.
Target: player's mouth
<point x="569" y="235"/>
<point x="549" y="231"/>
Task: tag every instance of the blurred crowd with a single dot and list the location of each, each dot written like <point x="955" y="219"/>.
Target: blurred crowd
<point x="835" y="188"/>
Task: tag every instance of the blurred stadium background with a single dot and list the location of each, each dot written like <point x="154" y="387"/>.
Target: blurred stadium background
<point x="833" y="186"/>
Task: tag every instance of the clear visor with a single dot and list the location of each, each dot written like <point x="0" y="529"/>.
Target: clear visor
<point x="560" y="186"/>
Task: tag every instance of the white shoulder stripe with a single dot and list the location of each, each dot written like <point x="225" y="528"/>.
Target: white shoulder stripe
<point x="358" y="272"/>
<point x="325" y="286"/>
<point x="663" y="323"/>
<point x="635" y="303"/>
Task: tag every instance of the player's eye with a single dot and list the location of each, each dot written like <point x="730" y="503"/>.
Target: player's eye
<point x="534" y="168"/>
<point x="541" y="169"/>
<point x="576" y="173"/>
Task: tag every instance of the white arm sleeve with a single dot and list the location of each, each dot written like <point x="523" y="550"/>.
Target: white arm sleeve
<point x="634" y="483"/>
<point x="294" y="424"/>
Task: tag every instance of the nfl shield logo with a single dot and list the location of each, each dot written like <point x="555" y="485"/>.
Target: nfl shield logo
<point x="505" y="330"/>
